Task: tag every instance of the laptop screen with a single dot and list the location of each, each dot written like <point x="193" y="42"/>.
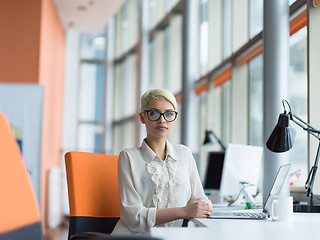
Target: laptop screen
<point x="277" y="184"/>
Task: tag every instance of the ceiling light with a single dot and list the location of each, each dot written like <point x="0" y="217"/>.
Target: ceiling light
<point x="81" y="8"/>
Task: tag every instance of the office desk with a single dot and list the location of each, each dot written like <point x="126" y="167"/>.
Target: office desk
<point x="303" y="226"/>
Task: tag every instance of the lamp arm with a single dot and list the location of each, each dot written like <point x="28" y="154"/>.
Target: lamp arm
<point x="312" y="173"/>
<point x="307" y="127"/>
<point x="219" y="141"/>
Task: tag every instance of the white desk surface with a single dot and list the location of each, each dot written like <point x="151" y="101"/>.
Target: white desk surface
<point x="302" y="226"/>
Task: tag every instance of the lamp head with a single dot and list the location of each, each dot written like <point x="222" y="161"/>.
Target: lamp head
<point x="209" y="139"/>
<point x="280" y="139"/>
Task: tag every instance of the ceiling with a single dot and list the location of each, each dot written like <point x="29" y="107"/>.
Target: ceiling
<point x="87" y="15"/>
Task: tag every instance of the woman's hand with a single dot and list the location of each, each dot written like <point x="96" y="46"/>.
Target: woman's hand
<point x="197" y="209"/>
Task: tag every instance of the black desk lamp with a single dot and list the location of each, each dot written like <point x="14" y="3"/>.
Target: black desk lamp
<point x="280" y="140"/>
<point x="210" y="139"/>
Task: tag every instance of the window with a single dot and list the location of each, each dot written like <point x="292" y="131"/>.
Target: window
<point x="151" y="63"/>
<point x="125" y="104"/>
<point x="152" y="13"/>
<point x="166" y="56"/>
<point x="227" y="28"/>
<point x="203" y="123"/>
<point x="93" y="46"/>
<point x="125" y="27"/>
<point x="91" y="94"/>
<point x="256" y="101"/>
<point x="175" y="54"/>
<point x="204" y="37"/>
<point x="298" y="101"/>
<point x="125" y="77"/>
<point x="226" y="111"/>
<point x="256" y="17"/>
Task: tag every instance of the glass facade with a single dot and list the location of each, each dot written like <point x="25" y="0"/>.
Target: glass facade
<point x="256" y="17"/>
<point x="227" y="28"/>
<point x="203" y="38"/>
<point x="256" y="101"/>
<point x="91" y="96"/>
<point x="226" y="112"/>
<point x="298" y="86"/>
<point x="219" y="39"/>
<point x="298" y="90"/>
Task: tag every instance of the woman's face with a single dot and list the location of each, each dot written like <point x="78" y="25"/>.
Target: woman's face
<point x="159" y="128"/>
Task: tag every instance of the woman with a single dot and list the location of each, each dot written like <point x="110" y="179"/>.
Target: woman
<point x="159" y="183"/>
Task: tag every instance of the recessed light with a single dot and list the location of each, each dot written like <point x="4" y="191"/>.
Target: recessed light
<point x="81" y="8"/>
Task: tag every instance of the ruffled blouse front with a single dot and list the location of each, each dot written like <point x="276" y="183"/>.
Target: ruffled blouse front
<point x="147" y="183"/>
<point x="166" y="180"/>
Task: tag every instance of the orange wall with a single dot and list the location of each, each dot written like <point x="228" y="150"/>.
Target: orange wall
<point x="32" y="47"/>
<point x="19" y="41"/>
<point x="51" y="75"/>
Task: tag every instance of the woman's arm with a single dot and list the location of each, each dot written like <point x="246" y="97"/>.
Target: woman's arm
<point x="133" y="213"/>
<point x="197" y="209"/>
<point x="197" y="191"/>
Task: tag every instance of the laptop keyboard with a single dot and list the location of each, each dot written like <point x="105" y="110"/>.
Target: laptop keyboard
<point x="253" y="215"/>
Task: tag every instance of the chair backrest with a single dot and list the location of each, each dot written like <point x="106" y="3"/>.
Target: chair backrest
<point x="94" y="202"/>
<point x="19" y="210"/>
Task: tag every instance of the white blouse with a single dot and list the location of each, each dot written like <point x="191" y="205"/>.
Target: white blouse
<point x="147" y="183"/>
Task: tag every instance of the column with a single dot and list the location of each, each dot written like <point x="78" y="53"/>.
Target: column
<point x="275" y="83"/>
<point x="188" y="113"/>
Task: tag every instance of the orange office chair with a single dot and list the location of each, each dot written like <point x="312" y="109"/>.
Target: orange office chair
<point x="93" y="196"/>
<point x="94" y="202"/>
<point x="19" y="210"/>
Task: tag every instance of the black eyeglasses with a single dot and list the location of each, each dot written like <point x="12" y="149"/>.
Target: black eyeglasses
<point x="154" y="115"/>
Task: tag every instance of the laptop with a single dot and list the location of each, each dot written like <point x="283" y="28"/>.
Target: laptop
<point x="261" y="213"/>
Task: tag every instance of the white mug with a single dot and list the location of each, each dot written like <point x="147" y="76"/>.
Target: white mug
<point x="281" y="208"/>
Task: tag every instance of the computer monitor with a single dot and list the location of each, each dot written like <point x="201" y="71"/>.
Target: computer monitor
<point x="242" y="164"/>
<point x="213" y="173"/>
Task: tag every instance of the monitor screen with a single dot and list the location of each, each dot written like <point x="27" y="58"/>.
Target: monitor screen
<point x="242" y="164"/>
<point x="214" y="170"/>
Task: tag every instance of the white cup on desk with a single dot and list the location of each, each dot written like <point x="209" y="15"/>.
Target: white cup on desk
<point x="281" y="208"/>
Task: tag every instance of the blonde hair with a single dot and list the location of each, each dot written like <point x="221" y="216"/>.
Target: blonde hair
<point x="157" y="93"/>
